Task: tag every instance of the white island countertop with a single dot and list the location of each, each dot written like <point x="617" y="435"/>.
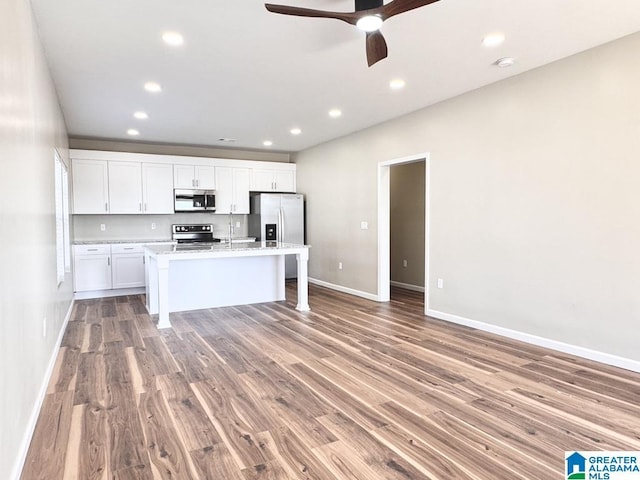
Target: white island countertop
<point x="191" y="277"/>
<point x="224" y="249"/>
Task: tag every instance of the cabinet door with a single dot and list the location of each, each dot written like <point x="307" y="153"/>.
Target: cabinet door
<point x="284" y="180"/>
<point x="90" y="187"/>
<point x="92" y="272"/>
<point x="241" y="185"/>
<point x="205" y="177"/>
<point x="262" y="180"/>
<point x="125" y="187"/>
<point x="224" y="190"/>
<point x="157" y="188"/>
<point x="127" y="270"/>
<point x="184" y="176"/>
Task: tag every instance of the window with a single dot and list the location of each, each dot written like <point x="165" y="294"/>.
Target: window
<point x="63" y="241"/>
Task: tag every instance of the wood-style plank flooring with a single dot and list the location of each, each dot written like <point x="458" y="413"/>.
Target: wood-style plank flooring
<point x="352" y="390"/>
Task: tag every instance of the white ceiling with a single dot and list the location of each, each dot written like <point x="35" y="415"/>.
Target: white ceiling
<point x="251" y="75"/>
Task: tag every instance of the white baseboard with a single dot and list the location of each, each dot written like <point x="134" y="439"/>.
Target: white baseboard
<point x="578" y="351"/>
<point x="108" y="293"/>
<point x="340" y="288"/>
<point x="33" y="419"/>
<point x="407" y="286"/>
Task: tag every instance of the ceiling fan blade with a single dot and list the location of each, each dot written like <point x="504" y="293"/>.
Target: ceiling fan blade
<point x="376" y="47"/>
<point x="400" y="6"/>
<point x="349" y="17"/>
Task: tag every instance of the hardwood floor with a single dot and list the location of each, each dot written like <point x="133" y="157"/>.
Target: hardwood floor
<point x="352" y="390"/>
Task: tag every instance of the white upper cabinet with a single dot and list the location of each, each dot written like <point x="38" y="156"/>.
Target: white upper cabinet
<point x="232" y="192"/>
<point x="273" y="180"/>
<point x="90" y="186"/>
<point x="157" y="188"/>
<point x="135" y="183"/>
<point x="125" y="187"/>
<point x="194" y="176"/>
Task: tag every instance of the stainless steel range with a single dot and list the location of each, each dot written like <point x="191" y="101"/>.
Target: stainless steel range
<point x="199" y="234"/>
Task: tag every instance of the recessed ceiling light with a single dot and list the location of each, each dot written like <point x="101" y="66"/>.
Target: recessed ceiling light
<point x="370" y="23"/>
<point x="152" y="87"/>
<point x="133" y="132"/>
<point x="397" y="84"/>
<point x="267" y="143"/>
<point x="141" y="115"/>
<point x="335" y="113"/>
<point x="493" y="39"/>
<point x="295" y="131"/>
<point x="173" y="38"/>
<point x="505" y="62"/>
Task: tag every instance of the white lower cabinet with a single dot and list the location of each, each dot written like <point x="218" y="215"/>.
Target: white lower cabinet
<point x="106" y="267"/>
<point x="127" y="266"/>
<point x="92" y="267"/>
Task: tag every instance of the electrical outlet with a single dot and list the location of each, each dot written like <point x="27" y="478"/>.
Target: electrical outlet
<point x="237" y="224"/>
<point x="153" y="225"/>
<point x="364" y="225"/>
<point x="44" y="327"/>
<point x="404" y="263"/>
<point x="339" y="265"/>
<point x="440" y="283"/>
<point x="103" y="227"/>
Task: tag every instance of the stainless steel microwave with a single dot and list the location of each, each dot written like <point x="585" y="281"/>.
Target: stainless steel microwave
<point x="195" y="200"/>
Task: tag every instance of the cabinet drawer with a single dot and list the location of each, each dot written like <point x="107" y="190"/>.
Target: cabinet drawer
<point x="97" y="249"/>
<point x="127" y="248"/>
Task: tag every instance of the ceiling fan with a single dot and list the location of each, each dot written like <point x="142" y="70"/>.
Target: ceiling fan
<point x="368" y="16"/>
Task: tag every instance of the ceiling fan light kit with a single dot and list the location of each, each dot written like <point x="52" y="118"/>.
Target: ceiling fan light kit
<point x="370" y="23"/>
<point x="368" y="16"/>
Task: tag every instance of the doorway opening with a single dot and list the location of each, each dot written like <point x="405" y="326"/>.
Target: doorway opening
<point x="384" y="224"/>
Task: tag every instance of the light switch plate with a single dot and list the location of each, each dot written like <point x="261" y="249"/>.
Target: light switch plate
<point x="364" y="225"/>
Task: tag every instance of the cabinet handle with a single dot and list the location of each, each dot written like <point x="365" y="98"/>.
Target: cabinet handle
<point x="92" y="250"/>
<point x="140" y="206"/>
<point x="128" y="248"/>
<point x="145" y="207"/>
<point x="109" y="261"/>
<point x="106" y="207"/>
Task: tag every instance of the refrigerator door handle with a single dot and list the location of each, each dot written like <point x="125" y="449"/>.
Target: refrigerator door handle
<point x="282" y="224"/>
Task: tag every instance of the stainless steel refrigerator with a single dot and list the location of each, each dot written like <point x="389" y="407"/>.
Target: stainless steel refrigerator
<point x="278" y="217"/>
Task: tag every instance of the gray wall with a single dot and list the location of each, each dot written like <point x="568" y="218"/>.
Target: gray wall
<point x="167" y="149"/>
<point x="535" y="211"/>
<point x="31" y="126"/>
<point x="407" y="216"/>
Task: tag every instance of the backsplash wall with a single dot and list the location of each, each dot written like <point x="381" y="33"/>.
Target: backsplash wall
<point x="138" y="227"/>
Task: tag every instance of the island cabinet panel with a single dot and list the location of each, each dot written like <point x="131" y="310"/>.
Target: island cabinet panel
<point x="90" y="187"/>
<point x="157" y="188"/>
<point x="125" y="187"/>
<point x="232" y="190"/>
<point x="273" y="180"/>
<point x="194" y="176"/>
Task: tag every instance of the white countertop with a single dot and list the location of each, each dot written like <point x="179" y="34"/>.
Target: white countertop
<point x="111" y="242"/>
<point x="224" y="249"/>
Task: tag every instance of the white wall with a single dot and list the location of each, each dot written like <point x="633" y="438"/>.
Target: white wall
<point x="535" y="210"/>
<point x="31" y="126"/>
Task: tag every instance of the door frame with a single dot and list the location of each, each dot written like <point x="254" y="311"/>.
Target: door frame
<point x="384" y="224"/>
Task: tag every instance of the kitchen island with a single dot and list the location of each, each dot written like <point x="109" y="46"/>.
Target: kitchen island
<point x="191" y="277"/>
